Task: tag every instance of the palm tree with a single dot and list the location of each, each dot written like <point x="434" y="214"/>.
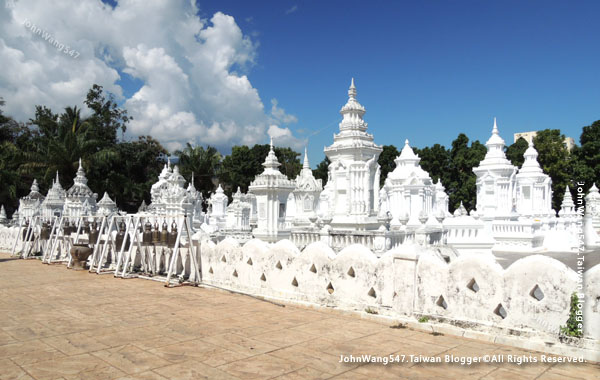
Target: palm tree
<point x="202" y="162"/>
<point x="62" y="143"/>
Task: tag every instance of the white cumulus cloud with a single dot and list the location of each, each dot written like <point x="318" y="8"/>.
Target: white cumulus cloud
<point x="193" y="72"/>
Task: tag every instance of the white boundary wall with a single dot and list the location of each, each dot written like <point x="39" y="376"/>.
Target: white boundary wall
<point x="410" y="281"/>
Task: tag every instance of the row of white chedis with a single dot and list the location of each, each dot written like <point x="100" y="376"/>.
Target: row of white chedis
<point x="513" y="211"/>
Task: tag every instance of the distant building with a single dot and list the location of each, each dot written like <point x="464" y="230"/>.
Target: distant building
<point x="528" y="136"/>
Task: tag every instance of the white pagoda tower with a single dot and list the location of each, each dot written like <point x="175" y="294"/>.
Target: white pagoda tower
<point x="217" y="208"/>
<point x="351" y="195"/>
<point x="272" y="190"/>
<point x="306" y="195"/>
<point x="495" y="181"/>
<point x="533" y="187"/>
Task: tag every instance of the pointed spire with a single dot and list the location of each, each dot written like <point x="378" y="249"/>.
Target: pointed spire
<point x="57" y="180"/>
<point x="34" y="186"/>
<point x="271" y="163"/>
<point x="306" y="164"/>
<point x="193" y="179"/>
<point x="495" y="129"/>
<point x="80" y="177"/>
<point x="352" y="90"/>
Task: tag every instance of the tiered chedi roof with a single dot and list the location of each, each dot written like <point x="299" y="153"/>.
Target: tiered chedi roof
<point x="30" y="204"/>
<point x="106" y="206"/>
<point x="80" y="200"/>
<point x="54" y="203"/>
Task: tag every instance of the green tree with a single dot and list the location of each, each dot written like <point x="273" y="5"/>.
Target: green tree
<point x="203" y="163"/>
<point x="243" y="164"/>
<point x="386" y="161"/>
<point x="586" y="158"/>
<point x="128" y="178"/>
<point x="462" y="182"/>
<point x="107" y="117"/>
<point x="435" y="161"/>
<point x="516" y="151"/>
<point x="554" y="158"/>
<point x="322" y="170"/>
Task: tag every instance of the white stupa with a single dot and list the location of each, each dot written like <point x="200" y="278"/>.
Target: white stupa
<point x="533" y="187"/>
<point x="54" y="203"/>
<point x="410" y="190"/>
<point x="351" y="196"/>
<point x="80" y="194"/>
<point x="271" y="189"/>
<point x="495" y="181"/>
<point x="30" y="204"/>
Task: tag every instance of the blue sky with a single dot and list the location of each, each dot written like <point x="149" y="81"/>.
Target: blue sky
<point x="234" y="72"/>
<point x="427" y="70"/>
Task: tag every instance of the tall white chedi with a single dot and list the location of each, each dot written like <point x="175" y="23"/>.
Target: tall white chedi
<point x="533" y="187"/>
<point x="306" y="194"/>
<point x="271" y="189"/>
<point x="80" y="200"/>
<point x="351" y="196"/>
<point x="495" y="181"/>
<point x="54" y="203"/>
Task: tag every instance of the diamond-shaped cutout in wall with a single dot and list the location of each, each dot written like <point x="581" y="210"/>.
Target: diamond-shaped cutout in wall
<point x="223" y="259"/>
<point x="351" y="272"/>
<point x="313" y="268"/>
<point x="263" y="277"/>
<point x="235" y="273"/>
<point x="330" y="288"/>
<point x="473" y="285"/>
<point x="278" y="265"/>
<point x="372" y="293"/>
<point x="500" y="311"/>
<point x="210" y="270"/>
<point x="441" y="302"/>
<point x="295" y="282"/>
<point x="537" y="293"/>
<point x="249" y="262"/>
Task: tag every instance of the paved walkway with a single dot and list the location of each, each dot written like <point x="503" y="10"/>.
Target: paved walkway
<point x="63" y="324"/>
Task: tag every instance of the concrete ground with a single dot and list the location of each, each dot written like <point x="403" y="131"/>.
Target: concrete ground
<point x="63" y="324"/>
<point x="592" y="258"/>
